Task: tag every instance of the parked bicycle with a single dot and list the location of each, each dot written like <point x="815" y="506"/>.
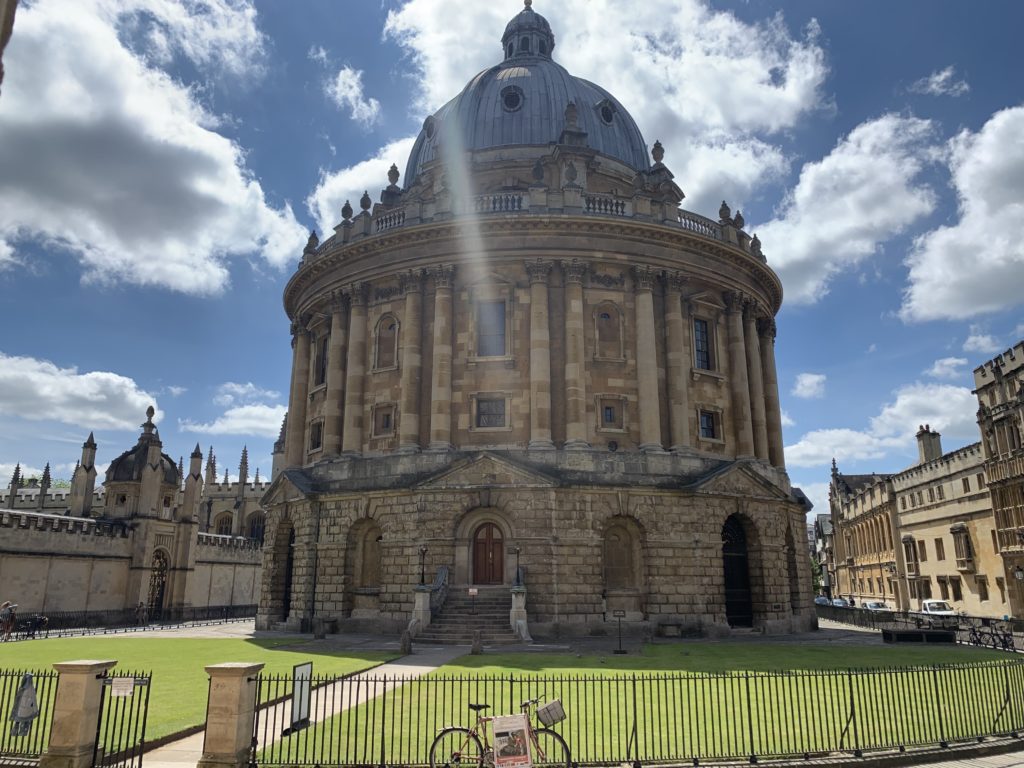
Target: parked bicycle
<point x="456" y="746"/>
<point x="991" y="635"/>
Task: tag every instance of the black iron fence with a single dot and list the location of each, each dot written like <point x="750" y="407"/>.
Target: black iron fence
<point x="121" y="728"/>
<point x="371" y="719"/>
<point x="26" y="709"/>
<point x="1000" y="634"/>
<point x="62" y="623"/>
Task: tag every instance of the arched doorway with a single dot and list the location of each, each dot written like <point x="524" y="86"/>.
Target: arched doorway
<point x="739" y="609"/>
<point x="488" y="555"/>
<point x="157" y="584"/>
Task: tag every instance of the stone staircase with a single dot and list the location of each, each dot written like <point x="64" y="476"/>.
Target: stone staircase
<point x="461" y="615"/>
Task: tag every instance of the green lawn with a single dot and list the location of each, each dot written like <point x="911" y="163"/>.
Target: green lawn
<point x="695" y="699"/>
<point x="179" y="687"/>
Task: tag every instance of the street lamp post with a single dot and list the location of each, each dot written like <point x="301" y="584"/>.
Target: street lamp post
<point x="423" y="560"/>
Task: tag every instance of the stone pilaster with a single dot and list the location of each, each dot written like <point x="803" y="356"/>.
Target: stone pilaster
<point x="739" y="383"/>
<point x="336" y="366"/>
<point x="355" y="371"/>
<point x="773" y="411"/>
<point x="412" y="362"/>
<point x="678" y="355"/>
<point x="295" y="449"/>
<point x="647" y="361"/>
<point x="540" y="356"/>
<point x="757" y="409"/>
<point x="230" y="715"/>
<point x="76" y="714"/>
<point x="575" y="357"/>
<point x="441" y="386"/>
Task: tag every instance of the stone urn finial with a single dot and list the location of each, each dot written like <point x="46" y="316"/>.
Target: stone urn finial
<point x="738" y="221"/>
<point x="393" y="174"/>
<point x="313" y="241"/>
<point x="725" y="213"/>
<point x="570" y="173"/>
<point x="658" y="152"/>
<point x="346" y="211"/>
<point x="365" y="202"/>
<point x="571" y="115"/>
<point x="538" y="171"/>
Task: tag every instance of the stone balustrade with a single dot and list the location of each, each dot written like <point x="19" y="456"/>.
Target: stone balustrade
<point x="223" y="540"/>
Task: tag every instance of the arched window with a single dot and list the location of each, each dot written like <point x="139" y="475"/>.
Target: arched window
<point x="386" y="354"/>
<point x="509" y="49"/>
<point x="320" y="360"/>
<point x="543" y="48"/>
<point x="608" y="331"/>
<point x="524" y="45"/>
<point x="223" y="524"/>
<point x="257" y="526"/>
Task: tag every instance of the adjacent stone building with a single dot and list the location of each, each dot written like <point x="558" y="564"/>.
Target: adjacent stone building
<point x="529" y="355"/>
<point x="144" y="537"/>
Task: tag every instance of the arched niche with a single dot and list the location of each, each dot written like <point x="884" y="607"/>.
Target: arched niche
<point x="363" y="558"/>
<point x="622" y="568"/>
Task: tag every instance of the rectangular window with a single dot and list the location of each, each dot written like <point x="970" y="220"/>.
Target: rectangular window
<point x="955" y="588"/>
<point x="995" y="541"/>
<point x="922" y="552"/>
<point x="316" y="436"/>
<point x="383" y="420"/>
<point x="982" y="582"/>
<point x="490" y="329"/>
<point x="967" y="484"/>
<point x="1001" y="586"/>
<point x="707" y="425"/>
<point x="943" y="588"/>
<point x="924" y="588"/>
<point x="981" y="480"/>
<point x="320" y="361"/>
<point x="612" y="413"/>
<point x="940" y="550"/>
<point x="903" y="502"/>
<point x="490" y="412"/>
<point x="931" y="495"/>
<point x="701" y="344"/>
<point x="939" y="492"/>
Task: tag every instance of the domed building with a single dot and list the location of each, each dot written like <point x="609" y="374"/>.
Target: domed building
<point x="528" y="374"/>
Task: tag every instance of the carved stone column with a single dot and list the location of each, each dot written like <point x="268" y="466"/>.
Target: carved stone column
<point x="540" y="357"/>
<point x="441" y="389"/>
<point x="757" y="415"/>
<point x="739" y="384"/>
<point x="412" y="362"/>
<point x="333" y="405"/>
<point x="355" y="370"/>
<point x="647" y="361"/>
<point x="773" y="411"/>
<point x="575" y="357"/>
<point x="678" y="355"/>
<point x="294" y="451"/>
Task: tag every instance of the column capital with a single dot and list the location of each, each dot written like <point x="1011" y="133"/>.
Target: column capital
<point x="411" y="281"/>
<point x="766" y="327"/>
<point x="574" y="270"/>
<point x="359" y="294"/>
<point x="444" y="276"/>
<point x="538" y="270"/>
<point x="338" y="301"/>
<point x="734" y="301"/>
<point x="675" y="281"/>
<point x="643" y="278"/>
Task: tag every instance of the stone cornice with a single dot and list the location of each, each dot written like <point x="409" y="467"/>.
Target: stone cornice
<point x="601" y="228"/>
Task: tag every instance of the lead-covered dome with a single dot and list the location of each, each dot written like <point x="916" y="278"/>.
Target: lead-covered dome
<point x="523" y="101"/>
<point x="128" y="467"/>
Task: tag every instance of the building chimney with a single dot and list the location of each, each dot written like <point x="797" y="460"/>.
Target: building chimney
<point x="929" y="444"/>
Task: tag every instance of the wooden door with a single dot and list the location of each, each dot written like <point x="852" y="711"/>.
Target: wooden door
<point x="488" y="555"/>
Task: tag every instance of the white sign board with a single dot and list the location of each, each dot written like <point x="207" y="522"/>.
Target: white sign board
<point x="121" y="686"/>
<point x="511" y="742"/>
<point x="301" y="694"/>
<point x="473" y="591"/>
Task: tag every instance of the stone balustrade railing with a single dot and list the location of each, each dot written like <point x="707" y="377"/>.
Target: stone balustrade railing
<point x="389" y="220"/>
<point x="223" y="540"/>
<point x="607" y="205"/>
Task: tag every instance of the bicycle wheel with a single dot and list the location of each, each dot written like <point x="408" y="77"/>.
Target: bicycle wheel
<point x="551" y="749"/>
<point x="456" y="747"/>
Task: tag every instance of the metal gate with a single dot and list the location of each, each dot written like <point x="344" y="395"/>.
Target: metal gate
<point x="121" y="728"/>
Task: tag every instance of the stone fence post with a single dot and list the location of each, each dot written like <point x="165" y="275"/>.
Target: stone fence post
<point x="230" y="715"/>
<point x="76" y="713"/>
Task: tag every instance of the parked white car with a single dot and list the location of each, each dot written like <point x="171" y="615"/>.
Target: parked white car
<point x="877" y="607"/>
<point x="937" y="614"/>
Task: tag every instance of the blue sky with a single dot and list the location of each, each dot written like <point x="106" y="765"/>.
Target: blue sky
<point x="161" y="162"/>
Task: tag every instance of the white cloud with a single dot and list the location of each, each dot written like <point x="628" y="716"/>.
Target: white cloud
<point x="175" y="391"/>
<point x="941" y="82"/>
<point x="231" y="392"/>
<point x="107" y="157"/>
<point x="818" y="494"/>
<point x="976" y="265"/>
<point x="346" y="91"/>
<point x="742" y="80"/>
<point x="787" y="420"/>
<point x="318" y="54"/>
<point x="849" y="203"/>
<point x="335" y="188"/>
<point x="947" y="368"/>
<point x="260" y="420"/>
<point x="948" y="409"/>
<point x="982" y="343"/>
<point x="809" y="385"/>
<point x="7" y="474"/>
<point x="38" y="390"/>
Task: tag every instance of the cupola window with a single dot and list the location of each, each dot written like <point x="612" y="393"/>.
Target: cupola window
<point x="542" y="47"/>
<point x="430" y="127"/>
<point x="606" y="110"/>
<point x="512" y="98"/>
<point x="524" y="45"/>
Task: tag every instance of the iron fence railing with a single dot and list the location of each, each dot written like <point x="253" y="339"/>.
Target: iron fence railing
<point x="369" y="719"/>
<point x="62" y="623"/>
<point x="1001" y="634"/>
<point x="121" y="726"/>
<point x="19" y="736"/>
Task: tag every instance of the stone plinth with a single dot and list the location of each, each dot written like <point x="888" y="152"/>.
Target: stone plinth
<point x="76" y="714"/>
<point x="230" y="714"/>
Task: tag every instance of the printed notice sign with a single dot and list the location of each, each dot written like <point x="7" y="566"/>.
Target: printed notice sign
<point x="122" y="686"/>
<point x="511" y="742"/>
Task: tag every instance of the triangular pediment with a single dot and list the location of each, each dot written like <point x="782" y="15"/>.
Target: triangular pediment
<point x="487" y="470"/>
<point x="740" y="480"/>
<point x="290" y="485"/>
